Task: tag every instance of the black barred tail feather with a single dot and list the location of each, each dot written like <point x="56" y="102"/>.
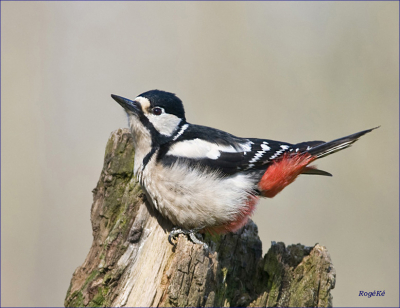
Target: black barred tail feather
<point x="319" y="149"/>
<point x="334" y="146"/>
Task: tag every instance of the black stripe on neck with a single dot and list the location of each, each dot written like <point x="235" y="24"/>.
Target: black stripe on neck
<point x="147" y="158"/>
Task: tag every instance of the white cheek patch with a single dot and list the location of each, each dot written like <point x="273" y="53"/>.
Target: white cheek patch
<point x="198" y="148"/>
<point x="166" y="124"/>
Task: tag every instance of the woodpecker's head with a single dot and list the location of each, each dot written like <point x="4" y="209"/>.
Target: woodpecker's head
<point x="155" y="114"/>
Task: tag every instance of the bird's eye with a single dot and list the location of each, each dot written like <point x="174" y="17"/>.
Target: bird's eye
<point x="157" y="110"/>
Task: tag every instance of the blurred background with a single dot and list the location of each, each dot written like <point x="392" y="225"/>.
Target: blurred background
<point x="289" y="71"/>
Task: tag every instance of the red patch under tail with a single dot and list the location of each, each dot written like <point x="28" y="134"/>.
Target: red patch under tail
<point x="240" y="220"/>
<point x="283" y="172"/>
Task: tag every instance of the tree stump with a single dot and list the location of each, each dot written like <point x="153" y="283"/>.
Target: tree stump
<point x="132" y="264"/>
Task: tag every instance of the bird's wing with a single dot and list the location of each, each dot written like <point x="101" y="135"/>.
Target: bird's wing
<point x="200" y="153"/>
<point x="223" y="152"/>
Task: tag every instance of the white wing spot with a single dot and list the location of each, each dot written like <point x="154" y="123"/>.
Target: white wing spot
<point x="265" y="147"/>
<point x="246" y="147"/>
<point x="259" y="154"/>
<point x="284" y="147"/>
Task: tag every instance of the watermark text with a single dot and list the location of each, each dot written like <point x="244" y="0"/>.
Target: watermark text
<point x="369" y="294"/>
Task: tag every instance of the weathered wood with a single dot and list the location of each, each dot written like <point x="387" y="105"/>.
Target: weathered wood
<point x="132" y="264"/>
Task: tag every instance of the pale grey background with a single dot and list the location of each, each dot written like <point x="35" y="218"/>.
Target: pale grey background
<point x="288" y="71"/>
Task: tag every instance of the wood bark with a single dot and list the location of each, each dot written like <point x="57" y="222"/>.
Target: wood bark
<point x="132" y="264"/>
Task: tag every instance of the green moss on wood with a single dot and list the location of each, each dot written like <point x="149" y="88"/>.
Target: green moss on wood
<point x="76" y="299"/>
<point x="99" y="299"/>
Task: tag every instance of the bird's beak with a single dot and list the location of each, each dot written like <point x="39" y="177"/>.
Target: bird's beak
<point x="127" y="104"/>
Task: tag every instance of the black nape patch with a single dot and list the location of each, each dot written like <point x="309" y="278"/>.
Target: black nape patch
<point x="169" y="101"/>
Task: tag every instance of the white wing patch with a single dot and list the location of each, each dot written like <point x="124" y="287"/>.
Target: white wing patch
<point x="197" y="148"/>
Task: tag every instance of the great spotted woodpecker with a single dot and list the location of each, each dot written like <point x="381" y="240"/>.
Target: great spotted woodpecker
<point x="204" y="179"/>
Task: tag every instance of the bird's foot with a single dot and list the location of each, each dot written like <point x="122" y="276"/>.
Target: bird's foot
<point x="190" y="233"/>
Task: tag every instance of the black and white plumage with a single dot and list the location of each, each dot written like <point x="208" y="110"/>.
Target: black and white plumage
<point x="202" y="178"/>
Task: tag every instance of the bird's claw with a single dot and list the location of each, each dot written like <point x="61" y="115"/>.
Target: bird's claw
<point x="190" y="233"/>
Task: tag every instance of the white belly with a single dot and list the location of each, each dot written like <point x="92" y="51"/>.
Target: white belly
<point x="195" y="199"/>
